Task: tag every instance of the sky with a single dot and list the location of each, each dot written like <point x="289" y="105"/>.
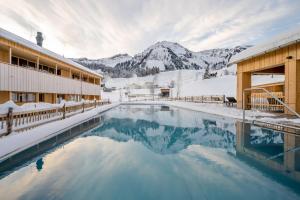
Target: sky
<point x="103" y="28"/>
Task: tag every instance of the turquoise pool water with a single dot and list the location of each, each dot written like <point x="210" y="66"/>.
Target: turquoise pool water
<point x="157" y="152"/>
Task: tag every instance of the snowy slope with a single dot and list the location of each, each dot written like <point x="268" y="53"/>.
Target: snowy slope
<point x="186" y="83"/>
<point x="162" y="56"/>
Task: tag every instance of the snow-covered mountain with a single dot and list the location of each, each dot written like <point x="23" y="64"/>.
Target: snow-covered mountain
<point x="162" y="56"/>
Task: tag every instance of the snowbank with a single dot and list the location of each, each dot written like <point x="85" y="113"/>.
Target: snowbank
<point x="37" y="106"/>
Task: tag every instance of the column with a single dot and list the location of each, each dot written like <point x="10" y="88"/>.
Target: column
<point x="292" y="85"/>
<point x="38" y="63"/>
<point x="243" y="82"/>
<point x="9" y="55"/>
<point x="55" y="68"/>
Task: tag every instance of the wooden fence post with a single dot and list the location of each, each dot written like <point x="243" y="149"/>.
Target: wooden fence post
<point x="9" y="120"/>
<point x="64" y="111"/>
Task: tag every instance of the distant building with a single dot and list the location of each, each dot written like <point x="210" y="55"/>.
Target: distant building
<point x="165" y="92"/>
<point x="31" y="73"/>
<point x="278" y="56"/>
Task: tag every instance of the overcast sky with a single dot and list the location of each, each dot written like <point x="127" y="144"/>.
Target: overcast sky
<point x="103" y="28"/>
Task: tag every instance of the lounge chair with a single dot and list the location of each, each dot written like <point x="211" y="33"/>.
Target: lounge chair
<point x="230" y="101"/>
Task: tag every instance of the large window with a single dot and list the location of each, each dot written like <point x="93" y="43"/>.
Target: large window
<point x="23" y="97"/>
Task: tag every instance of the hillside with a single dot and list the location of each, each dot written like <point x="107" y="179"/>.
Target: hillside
<point x="162" y="56"/>
<point x="186" y="83"/>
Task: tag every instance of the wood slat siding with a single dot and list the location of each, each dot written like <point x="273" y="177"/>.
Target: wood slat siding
<point x="27" y="51"/>
<point x="19" y="79"/>
<point x="270" y="60"/>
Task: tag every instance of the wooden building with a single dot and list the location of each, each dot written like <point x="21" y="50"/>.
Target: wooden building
<point x="31" y="73"/>
<point x="280" y="55"/>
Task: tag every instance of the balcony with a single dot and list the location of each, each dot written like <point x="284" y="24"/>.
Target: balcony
<point x="21" y="79"/>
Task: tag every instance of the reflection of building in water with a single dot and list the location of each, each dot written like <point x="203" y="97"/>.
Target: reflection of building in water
<point x="281" y="156"/>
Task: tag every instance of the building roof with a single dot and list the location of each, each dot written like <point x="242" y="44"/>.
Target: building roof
<point x="17" y="39"/>
<point x="277" y="42"/>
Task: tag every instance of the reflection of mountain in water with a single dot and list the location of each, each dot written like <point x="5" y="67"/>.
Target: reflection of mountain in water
<point x="265" y="136"/>
<point x="166" y="138"/>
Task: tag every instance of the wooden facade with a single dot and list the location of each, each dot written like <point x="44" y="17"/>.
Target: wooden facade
<point x="282" y="60"/>
<point x="29" y="75"/>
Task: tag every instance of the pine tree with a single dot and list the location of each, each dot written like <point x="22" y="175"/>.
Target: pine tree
<point x="206" y="74"/>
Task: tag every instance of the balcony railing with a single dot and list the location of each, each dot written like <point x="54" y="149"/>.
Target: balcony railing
<point x="264" y="102"/>
<point x="21" y="79"/>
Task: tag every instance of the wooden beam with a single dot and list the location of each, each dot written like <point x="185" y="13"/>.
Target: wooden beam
<point x="9" y="55"/>
<point x="38" y="63"/>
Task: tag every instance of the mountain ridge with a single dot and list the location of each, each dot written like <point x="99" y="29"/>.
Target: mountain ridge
<point x="161" y="56"/>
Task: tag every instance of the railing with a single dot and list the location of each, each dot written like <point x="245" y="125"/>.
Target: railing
<point x="264" y="102"/>
<point x="194" y="99"/>
<point x="18" y="121"/>
<point x="23" y="79"/>
<point x="270" y="94"/>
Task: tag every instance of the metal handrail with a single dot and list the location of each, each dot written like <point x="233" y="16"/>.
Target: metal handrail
<point x="269" y="93"/>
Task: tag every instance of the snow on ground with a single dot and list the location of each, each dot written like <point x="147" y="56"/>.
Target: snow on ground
<point x="36" y="106"/>
<point x="186" y="83"/>
<point x="16" y="142"/>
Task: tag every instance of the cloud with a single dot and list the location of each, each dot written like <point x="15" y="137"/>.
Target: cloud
<point x="103" y="28"/>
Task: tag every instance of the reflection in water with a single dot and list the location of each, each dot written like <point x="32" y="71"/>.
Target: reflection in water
<point x="277" y="151"/>
<point x="166" y="138"/>
<point x="39" y="164"/>
<point x="154" y="152"/>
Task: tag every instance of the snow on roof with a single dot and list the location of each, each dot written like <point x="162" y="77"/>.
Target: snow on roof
<point x="268" y="46"/>
<point x="17" y="39"/>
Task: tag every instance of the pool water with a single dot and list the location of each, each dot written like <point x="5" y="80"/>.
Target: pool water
<point x="157" y="152"/>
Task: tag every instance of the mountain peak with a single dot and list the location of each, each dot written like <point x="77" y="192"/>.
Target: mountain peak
<point x="162" y="55"/>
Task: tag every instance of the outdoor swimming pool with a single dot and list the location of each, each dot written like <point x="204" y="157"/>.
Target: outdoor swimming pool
<point x="157" y="152"/>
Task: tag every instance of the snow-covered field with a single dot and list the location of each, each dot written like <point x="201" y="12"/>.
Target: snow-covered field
<point x="186" y="83"/>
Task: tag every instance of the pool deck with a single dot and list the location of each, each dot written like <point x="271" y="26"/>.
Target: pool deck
<point x="17" y="142"/>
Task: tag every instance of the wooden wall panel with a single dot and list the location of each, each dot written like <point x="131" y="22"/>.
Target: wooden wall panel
<point x="4" y="96"/>
<point x="298" y="51"/>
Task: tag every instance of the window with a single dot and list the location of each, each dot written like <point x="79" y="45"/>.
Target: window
<point x="41" y="97"/>
<point x="59" y="72"/>
<point x="23" y="97"/>
<point x="52" y="71"/>
<point x="14" y="60"/>
<point x="23" y="62"/>
<point x="31" y="64"/>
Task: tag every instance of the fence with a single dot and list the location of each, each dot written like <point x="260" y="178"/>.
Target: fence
<point x="264" y="102"/>
<point x="195" y="99"/>
<point x="17" y="121"/>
